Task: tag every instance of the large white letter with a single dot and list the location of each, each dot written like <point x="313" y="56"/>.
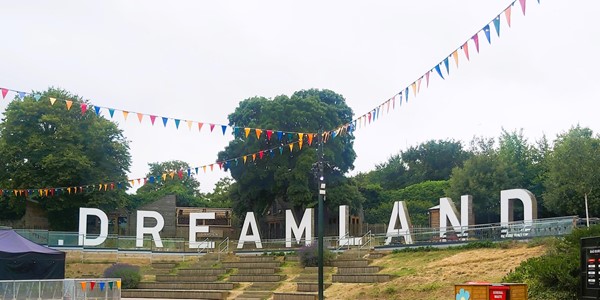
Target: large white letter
<point x="448" y="212"/>
<point x="154" y="231"/>
<point x="399" y="212"/>
<point x="249" y="222"/>
<point x="194" y="228"/>
<point x="84" y="212"/>
<point x="305" y="226"/>
<point x="345" y="239"/>
<point x="507" y="198"/>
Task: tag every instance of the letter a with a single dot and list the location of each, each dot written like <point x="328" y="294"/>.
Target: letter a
<point x="399" y="212"/>
<point x="249" y="223"/>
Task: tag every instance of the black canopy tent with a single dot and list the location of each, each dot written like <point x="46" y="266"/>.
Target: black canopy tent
<point x="21" y="259"/>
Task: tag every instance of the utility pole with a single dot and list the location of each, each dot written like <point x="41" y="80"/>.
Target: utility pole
<point x="321" y="216"/>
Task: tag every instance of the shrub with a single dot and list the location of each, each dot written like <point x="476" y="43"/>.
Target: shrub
<point x="129" y="274"/>
<point x="309" y="256"/>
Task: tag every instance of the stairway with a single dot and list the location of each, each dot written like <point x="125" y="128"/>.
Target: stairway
<point x="352" y="267"/>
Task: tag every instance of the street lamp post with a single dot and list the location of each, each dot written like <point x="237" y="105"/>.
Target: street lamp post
<point x="321" y="217"/>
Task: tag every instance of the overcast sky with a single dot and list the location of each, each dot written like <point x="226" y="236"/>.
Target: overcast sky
<point x="196" y="60"/>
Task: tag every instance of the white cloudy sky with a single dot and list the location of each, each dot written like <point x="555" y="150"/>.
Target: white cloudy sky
<point x="196" y="60"/>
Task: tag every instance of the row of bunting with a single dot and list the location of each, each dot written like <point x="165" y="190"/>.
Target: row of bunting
<point x="101" y="285"/>
<point x="85" y="107"/>
<point x="415" y="86"/>
<point x="225" y="165"/>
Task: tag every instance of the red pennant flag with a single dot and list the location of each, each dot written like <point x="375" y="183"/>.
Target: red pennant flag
<point x="139" y="180"/>
<point x="507" y="13"/>
<point x="180" y="174"/>
<point x="112" y="185"/>
<point x="52" y="192"/>
<point x="220" y="163"/>
<point x="200" y="126"/>
<point x="260" y="154"/>
<point x="212" y="166"/>
<point x="4" y="92"/>
<point x="145" y="180"/>
<point x="152" y="119"/>
<point x="83" y="108"/>
<point x="476" y="40"/>
<point x="369" y="117"/>
<point x="269" y="133"/>
<point x="466" y="49"/>
<point x="426" y="80"/>
<point x="212" y="126"/>
<point x="92" y="285"/>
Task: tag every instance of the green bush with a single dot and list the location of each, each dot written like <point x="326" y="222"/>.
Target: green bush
<point x="129" y="274"/>
<point x="554" y="275"/>
<point x="309" y="256"/>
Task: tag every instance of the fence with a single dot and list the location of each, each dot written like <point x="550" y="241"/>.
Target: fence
<point x="63" y="289"/>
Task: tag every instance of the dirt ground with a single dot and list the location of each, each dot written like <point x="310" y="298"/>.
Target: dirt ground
<point x="432" y="275"/>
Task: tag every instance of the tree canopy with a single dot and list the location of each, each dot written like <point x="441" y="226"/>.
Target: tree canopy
<point x="44" y="145"/>
<point x="290" y="177"/>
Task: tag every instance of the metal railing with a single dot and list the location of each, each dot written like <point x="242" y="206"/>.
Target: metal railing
<point x="222" y="249"/>
<point x="72" y="289"/>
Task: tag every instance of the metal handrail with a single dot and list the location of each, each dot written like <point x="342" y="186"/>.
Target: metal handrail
<point x="206" y="243"/>
<point x="340" y="246"/>
<point x="223" y="249"/>
<point x="369" y="238"/>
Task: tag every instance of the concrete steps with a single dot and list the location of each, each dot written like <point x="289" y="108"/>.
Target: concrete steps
<point x="191" y="278"/>
<point x="351" y="263"/>
<point x="258" y="291"/>
<point x="226" y="286"/>
<point x="201" y="271"/>
<point x="310" y="287"/>
<point x="295" y="296"/>
<point x="257" y="271"/>
<point x="361" y="278"/>
<point x="251" y="265"/>
<point x="358" y="270"/>
<point x="173" y="294"/>
<point x="256" y="278"/>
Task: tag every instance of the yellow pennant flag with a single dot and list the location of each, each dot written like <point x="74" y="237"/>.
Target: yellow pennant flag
<point x="52" y="100"/>
<point x="69" y="190"/>
<point x="164" y="176"/>
<point x="455" y="55"/>
<point x="414" y="88"/>
<point x="41" y="192"/>
<point x="247" y="130"/>
<point x="300" y="136"/>
<point x="140" y="117"/>
<point x="172" y="174"/>
<point x="204" y="169"/>
<point x="105" y="186"/>
<point x="245" y="158"/>
<point x="291" y="147"/>
<point x="69" y="103"/>
<point x="189" y="124"/>
<point x="258" y="132"/>
<point x="300" y="144"/>
<point x="125" y="114"/>
<point x="118" y="284"/>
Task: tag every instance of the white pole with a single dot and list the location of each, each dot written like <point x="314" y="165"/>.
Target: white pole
<point x="587" y="214"/>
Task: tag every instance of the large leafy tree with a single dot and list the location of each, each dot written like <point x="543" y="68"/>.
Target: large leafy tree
<point x="171" y="178"/>
<point x="290" y="177"/>
<point x="573" y="175"/>
<point x="49" y="146"/>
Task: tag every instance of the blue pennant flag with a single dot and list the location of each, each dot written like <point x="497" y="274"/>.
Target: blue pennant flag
<point x="497" y="25"/>
<point x="447" y="66"/>
<point x="165" y="120"/>
<point x="37" y="97"/>
<point x="224" y="128"/>
<point x="151" y="179"/>
<point x="177" y="121"/>
<point x="111" y="111"/>
<point x="279" y="135"/>
<point x="280" y="150"/>
<point x="97" y="109"/>
<point x="21" y="95"/>
<point x="486" y="30"/>
<point x="406" y="92"/>
<point x="437" y="69"/>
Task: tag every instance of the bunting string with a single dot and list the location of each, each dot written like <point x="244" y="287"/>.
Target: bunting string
<point x="414" y="88"/>
<point x="223" y="165"/>
<point x="86" y="107"/>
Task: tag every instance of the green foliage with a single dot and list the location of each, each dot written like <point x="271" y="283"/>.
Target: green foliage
<point x="219" y="197"/>
<point x="130" y="275"/>
<point x="289" y="177"/>
<point x="186" y="189"/>
<point x="554" y="275"/>
<point x="572" y="173"/>
<point x="467" y="246"/>
<point x="43" y="145"/>
<point x="309" y="256"/>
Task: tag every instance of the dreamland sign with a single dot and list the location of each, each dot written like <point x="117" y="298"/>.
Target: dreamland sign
<point x="399" y="225"/>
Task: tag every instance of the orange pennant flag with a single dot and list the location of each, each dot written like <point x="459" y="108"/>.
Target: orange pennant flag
<point x="125" y="114"/>
<point x="254" y="157"/>
<point x="82" y="285"/>
<point x="204" y="169"/>
<point x="69" y="103"/>
<point x="466" y="49"/>
<point x="414" y="88"/>
<point x="245" y="158"/>
<point x="69" y="190"/>
<point x="172" y="174"/>
<point x="46" y="192"/>
<point x="291" y="147"/>
<point x="132" y="182"/>
<point x="52" y="100"/>
<point x="247" y="130"/>
<point x="258" y="132"/>
<point x="140" y="117"/>
<point x="105" y="186"/>
<point x="310" y="138"/>
<point x="507" y="14"/>
<point x="455" y="55"/>
<point x="189" y="124"/>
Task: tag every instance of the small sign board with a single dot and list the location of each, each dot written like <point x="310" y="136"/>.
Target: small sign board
<point x="590" y="268"/>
